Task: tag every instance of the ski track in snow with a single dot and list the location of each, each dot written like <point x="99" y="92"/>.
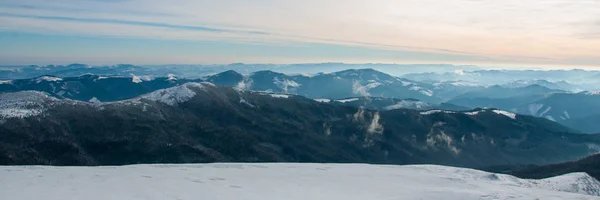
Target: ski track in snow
<point x="545" y="111"/>
<point x="567" y="116"/>
<point x="276" y="181"/>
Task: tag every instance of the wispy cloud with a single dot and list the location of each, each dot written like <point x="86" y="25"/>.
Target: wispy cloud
<point x="127" y="22"/>
<point x="535" y="31"/>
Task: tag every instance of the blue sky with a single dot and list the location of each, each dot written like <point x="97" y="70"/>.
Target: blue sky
<point x="508" y="33"/>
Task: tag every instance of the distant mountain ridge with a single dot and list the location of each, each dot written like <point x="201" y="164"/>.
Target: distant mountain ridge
<point x="87" y="87"/>
<point x="348" y="83"/>
<point x="576" y="110"/>
<point x="198" y="71"/>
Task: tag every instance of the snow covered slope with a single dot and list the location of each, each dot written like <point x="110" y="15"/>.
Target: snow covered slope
<point x="282" y="181"/>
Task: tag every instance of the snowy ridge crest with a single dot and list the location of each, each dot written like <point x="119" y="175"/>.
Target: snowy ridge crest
<point x="24" y="104"/>
<point x="47" y="78"/>
<point x="408" y="104"/>
<point x="175" y="95"/>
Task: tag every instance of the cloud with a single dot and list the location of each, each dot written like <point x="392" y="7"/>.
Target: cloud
<point x="512" y="31"/>
<point x="127" y="22"/>
<point x="375" y="126"/>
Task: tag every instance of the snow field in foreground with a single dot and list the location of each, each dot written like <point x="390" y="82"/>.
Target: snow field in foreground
<point x="277" y="181"/>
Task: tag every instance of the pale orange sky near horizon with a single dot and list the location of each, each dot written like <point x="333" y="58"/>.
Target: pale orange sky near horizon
<point x="556" y="33"/>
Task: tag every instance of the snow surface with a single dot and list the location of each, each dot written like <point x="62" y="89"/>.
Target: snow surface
<point x="372" y="85"/>
<point x="94" y="100"/>
<point x="243" y="101"/>
<point x="323" y="100"/>
<point x="506" y="113"/>
<point x="567" y="116"/>
<point x="136" y="79"/>
<point x="441" y="85"/>
<point x="426" y="92"/>
<point x="535" y="108"/>
<point x="24" y="104"/>
<point x="408" y="104"/>
<point x="47" y="78"/>
<point x="593" y="93"/>
<point x="174" y="95"/>
<point x="347" y="100"/>
<point x="277" y="181"/>
<point x="546" y="111"/>
<point x="423" y="91"/>
<point x="280" y="96"/>
<point x="473" y="112"/>
<point x="406" y="83"/>
<point x="429" y="112"/>
<point x="171" y="77"/>
<point x="464" y="84"/>
<point x="61" y="93"/>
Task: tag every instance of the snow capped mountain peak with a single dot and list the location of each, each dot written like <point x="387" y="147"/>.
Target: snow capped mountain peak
<point x="505" y="113"/>
<point x="47" y="78"/>
<point x="24" y="104"/>
<point x="139" y="79"/>
<point x="171" y="77"/>
<point x="136" y="79"/>
<point x="175" y="95"/>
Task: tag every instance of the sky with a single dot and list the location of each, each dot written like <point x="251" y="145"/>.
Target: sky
<point x="563" y="33"/>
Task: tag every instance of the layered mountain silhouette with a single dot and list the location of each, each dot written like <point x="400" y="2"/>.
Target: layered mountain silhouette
<point x="201" y="122"/>
<point x="349" y="83"/>
<point x="374" y="89"/>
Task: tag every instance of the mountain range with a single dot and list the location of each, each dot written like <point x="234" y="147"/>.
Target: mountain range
<point x="198" y="71"/>
<point x="349" y="83"/>
<point x="373" y="89"/>
<point x="201" y="122"/>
